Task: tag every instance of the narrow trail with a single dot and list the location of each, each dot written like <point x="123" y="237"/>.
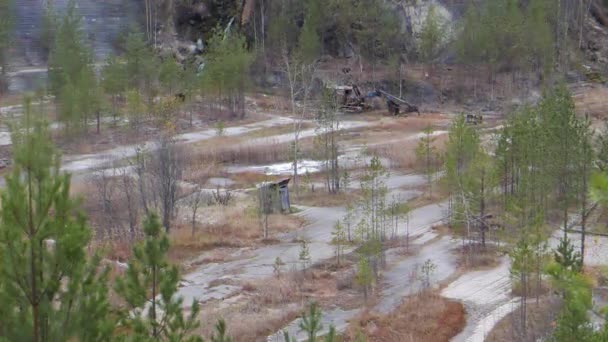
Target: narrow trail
<point x="486" y="295"/>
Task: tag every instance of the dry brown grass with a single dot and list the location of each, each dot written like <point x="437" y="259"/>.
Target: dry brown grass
<point x="437" y="195"/>
<point x="237" y="225"/>
<point x="402" y="154"/>
<point x="322" y="198"/>
<point x="243" y="180"/>
<point x="267" y="305"/>
<point x="425" y="317"/>
<point x="276" y="130"/>
<point x="475" y="256"/>
<point x="271" y="102"/>
<point x="533" y="287"/>
<point x="200" y="172"/>
<point x="396" y="129"/>
<point x="234" y="150"/>
<point x="247" y="321"/>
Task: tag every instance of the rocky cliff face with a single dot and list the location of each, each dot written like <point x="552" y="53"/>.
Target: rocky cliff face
<point x="593" y="44"/>
<point x="414" y="13"/>
<point x="103" y="21"/>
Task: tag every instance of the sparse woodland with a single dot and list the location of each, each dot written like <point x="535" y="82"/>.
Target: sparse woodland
<point x="139" y="195"/>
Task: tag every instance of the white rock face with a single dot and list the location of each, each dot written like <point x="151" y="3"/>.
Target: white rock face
<point x="413" y="16"/>
<point x="417" y="14"/>
<point x="102" y="22"/>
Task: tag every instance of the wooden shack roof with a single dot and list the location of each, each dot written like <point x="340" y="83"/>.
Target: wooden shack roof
<point x="282" y="182"/>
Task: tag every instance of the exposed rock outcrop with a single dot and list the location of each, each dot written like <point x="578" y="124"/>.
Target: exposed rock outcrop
<point x="103" y="22"/>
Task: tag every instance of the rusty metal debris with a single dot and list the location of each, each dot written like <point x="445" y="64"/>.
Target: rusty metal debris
<point x="474" y="119"/>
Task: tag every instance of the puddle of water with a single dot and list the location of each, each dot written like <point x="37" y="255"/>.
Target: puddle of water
<point x="304" y="166"/>
<point x="219" y="181"/>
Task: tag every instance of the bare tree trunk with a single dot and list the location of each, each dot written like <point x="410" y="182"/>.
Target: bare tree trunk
<point x="168" y="171"/>
<point x="262" y="14"/>
<point x="153" y="309"/>
<point x="140" y="169"/>
<point x="131" y="210"/>
<point x="584" y="204"/>
<point x="482" y="209"/>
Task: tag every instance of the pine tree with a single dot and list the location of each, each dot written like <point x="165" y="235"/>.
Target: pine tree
<point x="48" y="29"/>
<point x="69" y="56"/>
<point x="584" y="156"/>
<point x="309" y="42"/>
<point x="135" y="108"/>
<point x="220" y="334"/>
<point x="540" y="40"/>
<point x="149" y="288"/>
<point x="427" y="269"/>
<point x="364" y="277"/>
<point x="468" y="42"/>
<point x="461" y="150"/>
<point x="508" y="33"/>
<point x="311" y="322"/>
<point x="432" y="35"/>
<point x="304" y="255"/>
<point x="6" y="27"/>
<point x="339" y="240"/>
<point x="114" y="81"/>
<point x="566" y="256"/>
<point x="426" y="153"/>
<point x="170" y="75"/>
<point x="227" y="69"/>
<point x="141" y="66"/>
<point x="573" y="321"/>
<point x="71" y="76"/>
<point x="522" y="256"/>
<point x="478" y="187"/>
<point x="328" y="135"/>
<point x="373" y="203"/>
<point x="331" y="334"/>
<point x="559" y="121"/>
<point x="602" y="149"/>
<point x="599" y="188"/>
<point x="50" y="290"/>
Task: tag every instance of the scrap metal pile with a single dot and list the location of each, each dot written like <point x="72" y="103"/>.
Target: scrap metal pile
<point x="351" y="100"/>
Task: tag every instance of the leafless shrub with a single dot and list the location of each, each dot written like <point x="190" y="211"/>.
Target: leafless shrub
<point x="249" y="287"/>
<point x="113" y="204"/>
<point x="196" y="200"/>
<point x="106" y="193"/>
<point x="167" y="170"/>
<point x="128" y="188"/>
<point x="276" y="291"/>
<point x="158" y="176"/>
<point x="345" y="281"/>
<point x="222" y="197"/>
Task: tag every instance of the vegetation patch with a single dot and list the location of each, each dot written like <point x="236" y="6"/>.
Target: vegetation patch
<point x="424" y="317"/>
